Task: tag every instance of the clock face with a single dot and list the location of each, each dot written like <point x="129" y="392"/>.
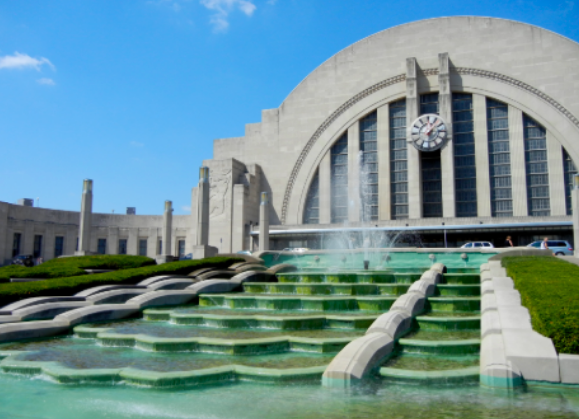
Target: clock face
<point x="428" y="132"/>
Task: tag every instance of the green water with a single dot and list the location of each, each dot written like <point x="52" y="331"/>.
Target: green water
<point x="168" y="330"/>
<point x="84" y="354"/>
<point x="427" y="363"/>
<point x="443" y="335"/>
<point x="38" y="399"/>
<point x="286" y="313"/>
<point x="354" y="259"/>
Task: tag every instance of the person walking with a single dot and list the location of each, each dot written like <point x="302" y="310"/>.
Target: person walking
<point x="544" y="244"/>
<point x="508" y="242"/>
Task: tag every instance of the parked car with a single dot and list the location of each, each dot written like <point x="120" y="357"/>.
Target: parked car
<point x="558" y="247"/>
<point x="24" y="260"/>
<point x="471" y="245"/>
<point x="244" y="252"/>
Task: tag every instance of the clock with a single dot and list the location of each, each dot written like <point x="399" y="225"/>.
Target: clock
<point x="428" y="132"/>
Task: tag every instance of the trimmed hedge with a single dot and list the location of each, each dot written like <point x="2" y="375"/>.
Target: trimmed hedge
<point x="16" y="291"/>
<point x="549" y="289"/>
<point x="74" y="266"/>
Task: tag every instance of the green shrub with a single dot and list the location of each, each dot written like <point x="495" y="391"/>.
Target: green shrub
<point x="74" y="266"/>
<point x="549" y="289"/>
<point x="15" y="291"/>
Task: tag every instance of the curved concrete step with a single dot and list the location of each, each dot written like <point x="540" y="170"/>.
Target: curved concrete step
<point x="172" y="284"/>
<point x="150" y="281"/>
<point x="116" y="296"/>
<point x="48" y="311"/>
<point x="214" y="274"/>
<point x="28" y="302"/>
<point x="104" y="288"/>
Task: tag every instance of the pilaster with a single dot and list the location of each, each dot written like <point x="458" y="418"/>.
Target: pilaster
<point x="133" y="241"/>
<point x="325" y="188"/>
<point x="556" y="176"/>
<point x="518" y="171"/>
<point x="113" y="241"/>
<point x="383" y="135"/>
<point x="447" y="151"/>
<point x="238" y="222"/>
<point x="354" y="173"/>
<point x="483" y="186"/>
<point x="413" y="155"/>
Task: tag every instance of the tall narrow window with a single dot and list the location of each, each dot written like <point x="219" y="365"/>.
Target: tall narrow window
<point x="312" y="211"/>
<point x="369" y="167"/>
<point x="431" y="170"/>
<point x="431" y="184"/>
<point x="429" y="103"/>
<point x="181" y="247"/>
<point x="58" y="246"/>
<point x="160" y="247"/>
<point x="499" y="159"/>
<point x="143" y="247"/>
<point x="37" y="252"/>
<point x="102" y="246"/>
<point x="569" y="170"/>
<point x="122" y="246"/>
<point x="339" y="171"/>
<point x="17" y="238"/>
<point x="537" y="168"/>
<point x="398" y="160"/>
<point x="464" y="155"/>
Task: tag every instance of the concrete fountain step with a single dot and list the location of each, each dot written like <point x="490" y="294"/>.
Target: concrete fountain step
<point x="448" y="323"/>
<point x="261" y="321"/>
<point x="200" y="344"/>
<point x="462" y="278"/>
<point x="231" y="373"/>
<point x="454" y="376"/>
<point x="366" y="277"/>
<point x="455" y="304"/>
<point x="440" y="347"/>
<point x="276" y="302"/>
<point x="471" y="290"/>
<point x="300" y="288"/>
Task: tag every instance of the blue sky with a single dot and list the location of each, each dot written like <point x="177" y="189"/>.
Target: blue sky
<point x="132" y="93"/>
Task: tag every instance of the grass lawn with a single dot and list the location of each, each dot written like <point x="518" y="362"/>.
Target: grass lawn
<point x="549" y="289"/>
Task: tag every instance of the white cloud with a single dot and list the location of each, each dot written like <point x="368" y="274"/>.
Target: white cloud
<point x="46" y="81"/>
<point x="223" y="8"/>
<point x="186" y="208"/>
<point x="136" y="144"/>
<point x="21" y="61"/>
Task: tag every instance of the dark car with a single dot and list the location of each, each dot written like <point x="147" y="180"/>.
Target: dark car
<point x="24" y="260"/>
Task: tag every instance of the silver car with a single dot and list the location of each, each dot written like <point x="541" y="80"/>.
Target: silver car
<point x="558" y="247"/>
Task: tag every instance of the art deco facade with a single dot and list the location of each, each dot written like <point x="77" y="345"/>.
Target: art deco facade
<point x="339" y="151"/>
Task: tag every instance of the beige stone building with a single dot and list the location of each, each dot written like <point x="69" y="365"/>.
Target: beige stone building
<point x="348" y="149"/>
